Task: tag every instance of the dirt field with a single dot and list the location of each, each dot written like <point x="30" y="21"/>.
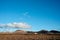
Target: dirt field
<point x="29" y="37"/>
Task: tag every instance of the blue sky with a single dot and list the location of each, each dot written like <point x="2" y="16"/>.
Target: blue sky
<point x="40" y="14"/>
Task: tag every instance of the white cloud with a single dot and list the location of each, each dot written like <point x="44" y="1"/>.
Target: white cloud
<point x="16" y="25"/>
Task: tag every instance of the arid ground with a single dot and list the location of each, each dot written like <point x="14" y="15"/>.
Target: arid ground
<point x="29" y="36"/>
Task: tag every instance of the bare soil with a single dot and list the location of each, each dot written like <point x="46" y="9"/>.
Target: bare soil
<point x="29" y="36"/>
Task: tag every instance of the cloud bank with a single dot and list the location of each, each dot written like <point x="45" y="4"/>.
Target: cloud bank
<point x="16" y="25"/>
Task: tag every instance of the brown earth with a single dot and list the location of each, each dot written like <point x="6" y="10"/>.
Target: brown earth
<point x="29" y="36"/>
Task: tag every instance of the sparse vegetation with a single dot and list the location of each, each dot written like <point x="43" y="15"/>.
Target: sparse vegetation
<point x="31" y="36"/>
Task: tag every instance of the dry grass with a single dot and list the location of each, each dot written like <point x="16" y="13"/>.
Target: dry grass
<point x="29" y="37"/>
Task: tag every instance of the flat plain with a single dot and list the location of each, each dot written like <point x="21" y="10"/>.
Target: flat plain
<point x="29" y="36"/>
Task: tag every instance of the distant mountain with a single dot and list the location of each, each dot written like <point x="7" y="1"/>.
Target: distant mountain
<point x="20" y="32"/>
<point x="43" y="31"/>
<point x="49" y="32"/>
<point x="54" y="31"/>
<point x="32" y="32"/>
